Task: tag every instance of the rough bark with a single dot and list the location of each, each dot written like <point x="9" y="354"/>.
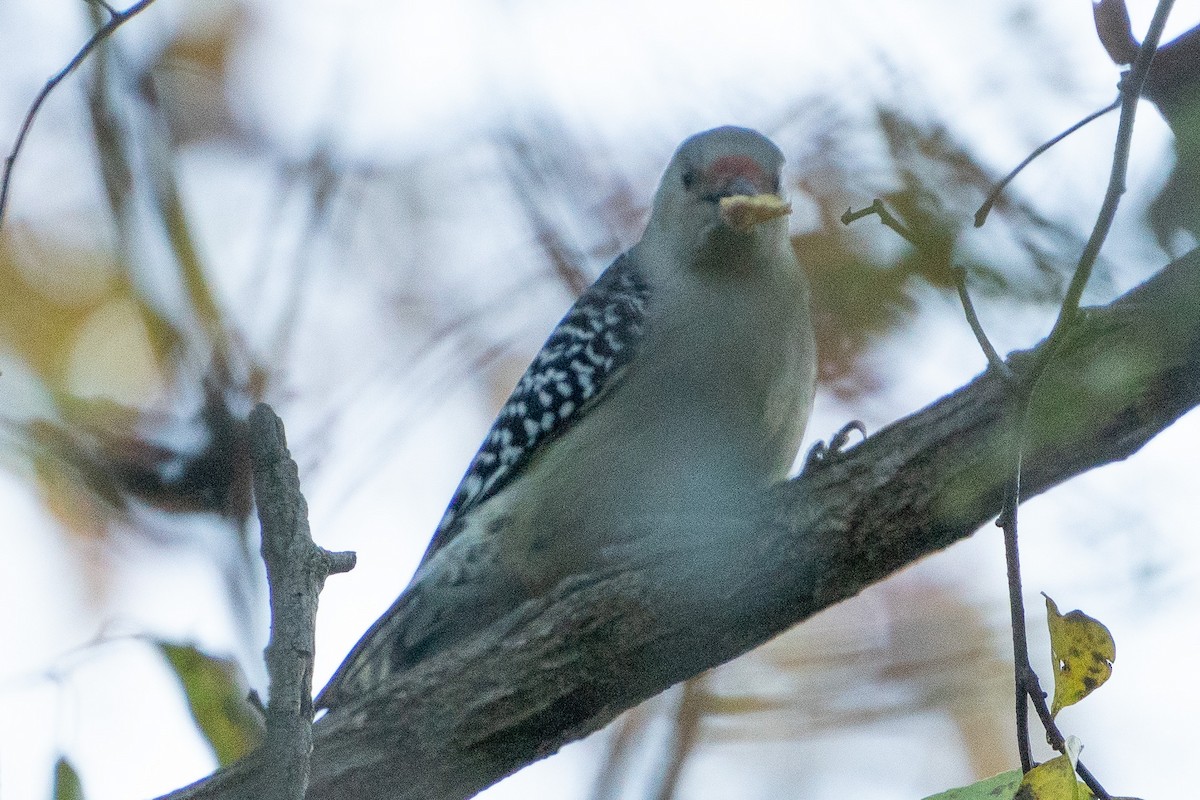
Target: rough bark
<point x="573" y="661"/>
<point x="296" y="572"/>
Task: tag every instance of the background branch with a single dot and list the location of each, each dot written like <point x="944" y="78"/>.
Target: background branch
<point x="116" y="19"/>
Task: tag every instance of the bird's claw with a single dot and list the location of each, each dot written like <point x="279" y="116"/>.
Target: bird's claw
<point x="822" y="453"/>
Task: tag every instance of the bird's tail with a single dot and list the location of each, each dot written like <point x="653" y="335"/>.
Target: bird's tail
<point x="377" y="655"/>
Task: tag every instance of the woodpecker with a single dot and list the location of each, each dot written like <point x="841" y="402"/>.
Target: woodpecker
<point x="675" y="389"/>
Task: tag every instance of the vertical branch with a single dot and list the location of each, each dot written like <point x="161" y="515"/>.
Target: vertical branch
<point x="296" y="572"/>
<point x="1131" y="91"/>
<point x="1025" y="679"/>
<point x="686" y="730"/>
<point x="1016" y="599"/>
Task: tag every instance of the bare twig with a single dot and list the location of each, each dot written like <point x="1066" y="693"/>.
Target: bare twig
<point x="116" y="20"/>
<point x="1131" y="90"/>
<point x="1026" y="683"/>
<point x="1055" y="737"/>
<point x="296" y="572"/>
<point x="1007" y="520"/>
<point x="995" y="362"/>
<point x="886" y="217"/>
<point x="985" y="344"/>
<point x="1025" y="678"/>
<point x="982" y="214"/>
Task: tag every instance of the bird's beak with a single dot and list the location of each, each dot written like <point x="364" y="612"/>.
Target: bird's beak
<point x="744" y="192"/>
<point x="742" y="212"/>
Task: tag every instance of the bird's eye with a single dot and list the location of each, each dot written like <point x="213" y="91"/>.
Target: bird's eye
<point x="689" y="179"/>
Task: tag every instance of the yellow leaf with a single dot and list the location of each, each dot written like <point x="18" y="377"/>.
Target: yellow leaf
<point x="1083" y="652"/>
<point x="1054" y="780"/>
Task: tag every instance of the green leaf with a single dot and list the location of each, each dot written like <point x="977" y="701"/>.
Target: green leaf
<point x="66" y="781"/>
<point x="217" y="698"/>
<point x="998" y="787"/>
<point x="1083" y="652"/>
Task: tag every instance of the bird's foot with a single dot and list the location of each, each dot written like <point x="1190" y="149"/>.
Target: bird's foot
<point x="822" y="453"/>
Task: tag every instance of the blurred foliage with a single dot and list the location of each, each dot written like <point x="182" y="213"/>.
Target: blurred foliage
<point x="216" y="693"/>
<point x="1173" y="85"/>
<point x="119" y="454"/>
<point x="94" y="454"/>
<point x="66" y="781"/>
<point x="137" y="380"/>
<point x="188" y="80"/>
<point x="39" y="316"/>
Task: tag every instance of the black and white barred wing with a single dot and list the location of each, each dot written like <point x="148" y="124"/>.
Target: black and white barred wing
<point x="584" y="358"/>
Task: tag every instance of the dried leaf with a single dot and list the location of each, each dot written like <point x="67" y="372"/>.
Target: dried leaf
<point x="1114" y="30"/>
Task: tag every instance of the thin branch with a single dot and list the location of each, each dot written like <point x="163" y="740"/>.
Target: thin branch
<point x="995" y="362"/>
<point x="1131" y="90"/>
<point x="886" y="217"/>
<point x="1016" y="598"/>
<point x="116" y="20"/>
<point x="993" y="358"/>
<point x="982" y="214"/>
<point x="1055" y="737"/>
<point x="1025" y="678"/>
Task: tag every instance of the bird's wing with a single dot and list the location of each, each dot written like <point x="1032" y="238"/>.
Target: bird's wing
<point x="581" y="362"/>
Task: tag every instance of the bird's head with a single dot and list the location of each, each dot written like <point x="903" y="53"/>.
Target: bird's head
<point x="721" y="189"/>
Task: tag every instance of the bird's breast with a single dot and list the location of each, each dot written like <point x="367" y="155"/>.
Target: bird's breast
<point x="709" y="413"/>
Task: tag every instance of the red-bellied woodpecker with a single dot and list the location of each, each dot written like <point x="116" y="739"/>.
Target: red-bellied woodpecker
<point x="677" y="386"/>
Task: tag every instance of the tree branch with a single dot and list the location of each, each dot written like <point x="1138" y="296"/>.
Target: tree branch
<point x="1131" y="93"/>
<point x="959" y="274"/>
<point x="296" y="572"/>
<point x="570" y="662"/>
<point x="115" y="20"/>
